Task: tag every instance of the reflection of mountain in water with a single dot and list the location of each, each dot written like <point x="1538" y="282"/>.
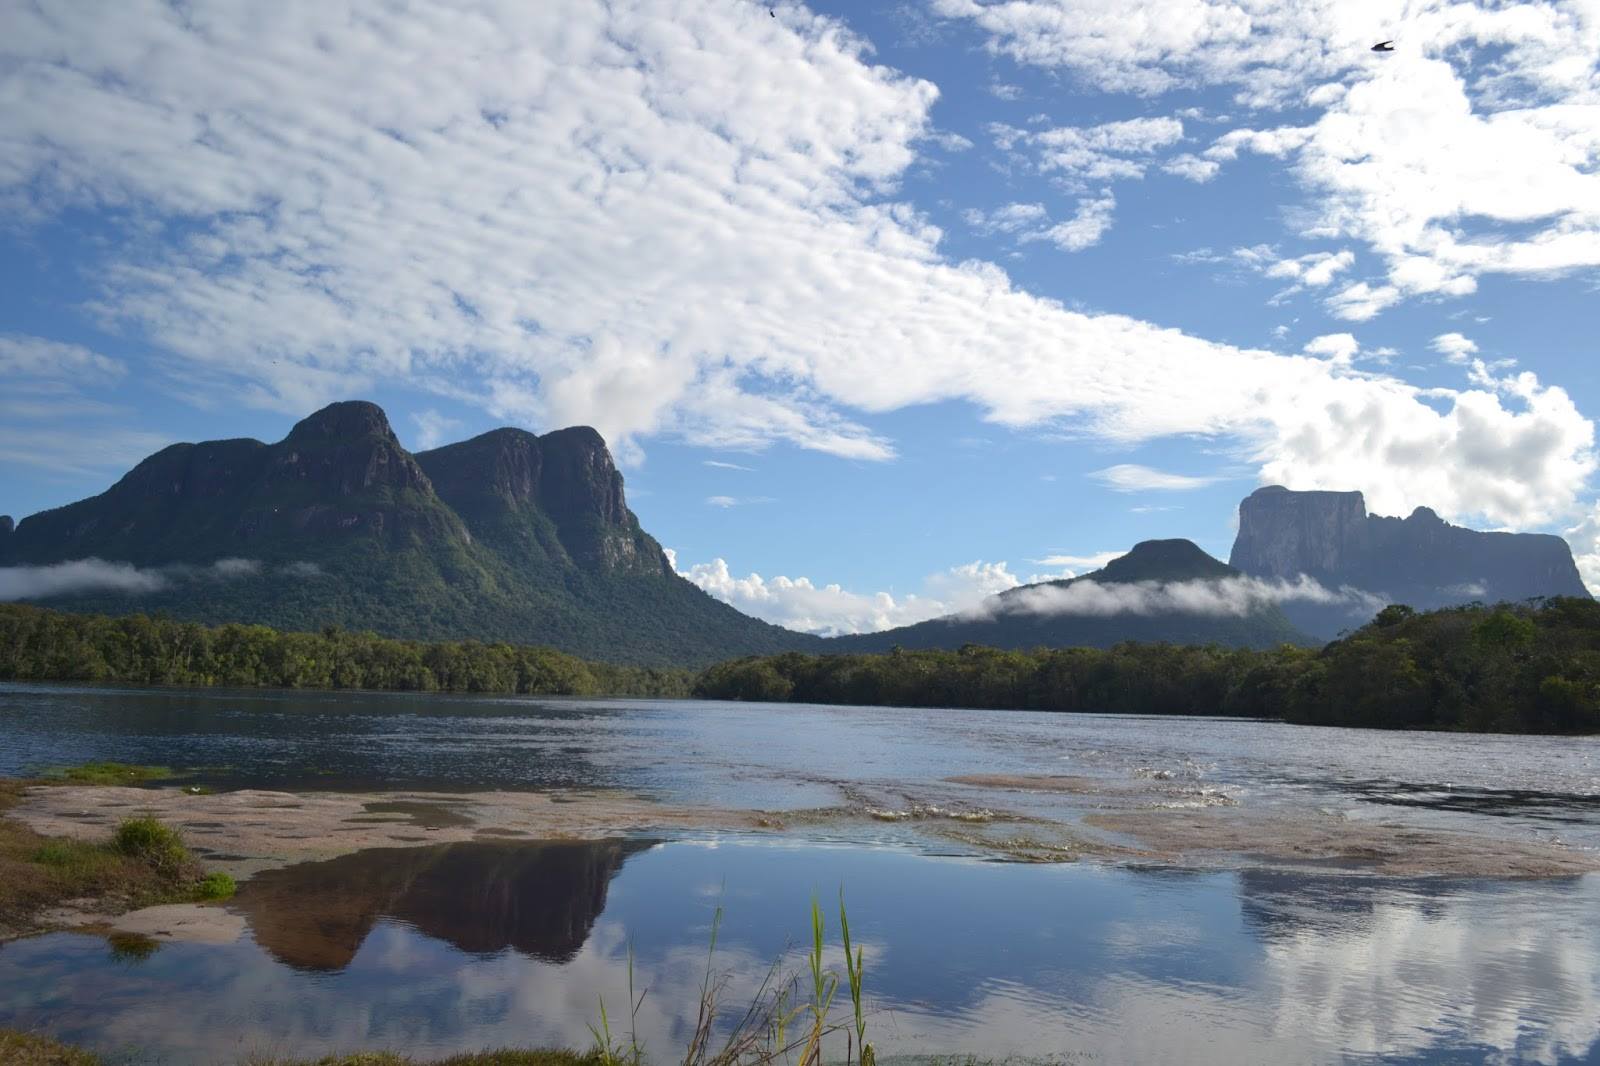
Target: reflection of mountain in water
<point x="540" y="899"/>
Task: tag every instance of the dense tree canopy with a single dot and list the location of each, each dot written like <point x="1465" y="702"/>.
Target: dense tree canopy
<point x="1531" y="668"/>
<point x="43" y="645"/>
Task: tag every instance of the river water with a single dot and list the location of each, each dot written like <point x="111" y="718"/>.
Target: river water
<point x="439" y="949"/>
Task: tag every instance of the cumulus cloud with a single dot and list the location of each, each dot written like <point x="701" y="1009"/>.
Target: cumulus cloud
<point x="1130" y="477"/>
<point x="1340" y="348"/>
<point x="830" y="609"/>
<point x="693" y="259"/>
<point x="1585" y="541"/>
<point x="1454" y="347"/>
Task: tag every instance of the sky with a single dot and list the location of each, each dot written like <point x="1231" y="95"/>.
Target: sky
<point x="881" y="307"/>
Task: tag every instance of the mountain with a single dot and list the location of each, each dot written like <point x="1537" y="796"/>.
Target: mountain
<point x="1420" y="560"/>
<point x="508" y="536"/>
<point x="1162" y="590"/>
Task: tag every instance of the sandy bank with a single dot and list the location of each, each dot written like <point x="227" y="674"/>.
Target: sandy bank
<point x="251" y="830"/>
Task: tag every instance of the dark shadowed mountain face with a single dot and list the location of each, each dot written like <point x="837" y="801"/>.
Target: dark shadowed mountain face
<point x="1420" y="560"/>
<point x="508" y="536"/>
<point x="1133" y="597"/>
<point x="538" y="899"/>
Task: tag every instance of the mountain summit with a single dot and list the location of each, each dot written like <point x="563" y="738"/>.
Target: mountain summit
<point x="1420" y="560"/>
<point x="1161" y="590"/>
<point x="507" y="536"/>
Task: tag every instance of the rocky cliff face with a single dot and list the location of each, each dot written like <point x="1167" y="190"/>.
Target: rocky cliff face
<point x="508" y="536"/>
<point x="559" y="494"/>
<point x="1283" y="533"/>
<point x="1420" y="560"/>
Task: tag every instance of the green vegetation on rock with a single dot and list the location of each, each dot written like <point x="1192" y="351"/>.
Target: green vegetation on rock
<point x="505" y="537"/>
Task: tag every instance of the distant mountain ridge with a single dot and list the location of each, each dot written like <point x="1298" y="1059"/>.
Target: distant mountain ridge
<point x="1023" y="617"/>
<point x="507" y="536"/>
<point x="1420" y="560"/>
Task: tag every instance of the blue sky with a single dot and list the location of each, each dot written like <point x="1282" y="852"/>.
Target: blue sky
<point x="919" y="298"/>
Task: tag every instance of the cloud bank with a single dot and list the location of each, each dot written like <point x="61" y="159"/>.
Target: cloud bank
<point x="681" y="218"/>
<point x="97" y="575"/>
<point x="1229" y="596"/>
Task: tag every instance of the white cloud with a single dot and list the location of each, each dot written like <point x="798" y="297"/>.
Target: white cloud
<point x="1130" y="477"/>
<point x="22" y="356"/>
<point x="1585" y="541"/>
<point x="1340" y="348"/>
<point x="736" y="501"/>
<point x="1080" y="155"/>
<point x="81" y="575"/>
<point x="98" y="575"/>
<point x="1360" y="301"/>
<point x="694" y="259"/>
<point x="1229" y="596"/>
<point x="718" y="464"/>
<point x="1453" y="346"/>
<point x="829" y="610"/>
<point x="1083" y="229"/>
<point x="1078" y="563"/>
<point x="1192" y="168"/>
<point x="434" y="429"/>
<point x="1472" y="149"/>
<point x="1313" y="270"/>
<point x="1012" y="218"/>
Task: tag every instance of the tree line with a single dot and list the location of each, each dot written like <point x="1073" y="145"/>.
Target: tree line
<point x="37" y="644"/>
<point x="1531" y="668"/>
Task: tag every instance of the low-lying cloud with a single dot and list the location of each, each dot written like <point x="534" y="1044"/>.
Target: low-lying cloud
<point x="98" y="575"/>
<point x="1222" y="597"/>
<point x="81" y="575"/>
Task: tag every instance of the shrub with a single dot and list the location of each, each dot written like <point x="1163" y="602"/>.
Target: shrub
<point x="152" y="842"/>
<point x="216" y="885"/>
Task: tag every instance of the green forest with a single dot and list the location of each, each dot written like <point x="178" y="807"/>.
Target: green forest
<point x="37" y="644"/>
<point x="1531" y="668"/>
<point x="1516" y="669"/>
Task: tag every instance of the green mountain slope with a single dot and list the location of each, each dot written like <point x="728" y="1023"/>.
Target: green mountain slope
<point x="1130" y="598"/>
<point x="508" y="536"/>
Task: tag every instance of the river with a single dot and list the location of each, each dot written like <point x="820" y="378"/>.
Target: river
<point x="1255" y="952"/>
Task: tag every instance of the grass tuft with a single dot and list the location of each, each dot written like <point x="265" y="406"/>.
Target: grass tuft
<point x="216" y="885"/>
<point x="108" y="773"/>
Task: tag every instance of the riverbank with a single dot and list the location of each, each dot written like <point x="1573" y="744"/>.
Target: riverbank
<point x="248" y="832"/>
<point x="28" y="1049"/>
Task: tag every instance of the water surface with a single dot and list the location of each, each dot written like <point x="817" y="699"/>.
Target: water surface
<point x="440" y="949"/>
<point x="776" y="756"/>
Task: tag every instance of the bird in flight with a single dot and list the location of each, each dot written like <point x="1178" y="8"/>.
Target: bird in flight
<point x="1383" y="46"/>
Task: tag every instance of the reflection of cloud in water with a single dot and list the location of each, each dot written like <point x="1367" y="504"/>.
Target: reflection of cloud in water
<point x="1403" y="965"/>
<point x="1117" y="966"/>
